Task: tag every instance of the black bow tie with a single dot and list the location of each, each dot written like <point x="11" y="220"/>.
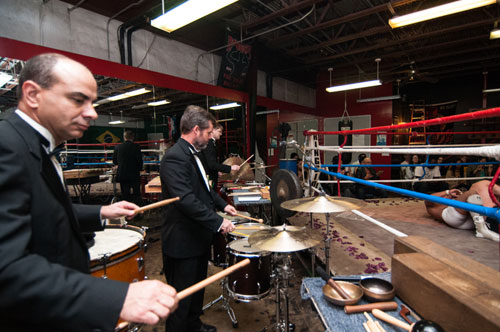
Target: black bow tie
<point x="57" y="150"/>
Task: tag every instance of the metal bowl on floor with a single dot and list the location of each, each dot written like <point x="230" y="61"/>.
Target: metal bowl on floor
<point x="355" y="293"/>
<point x="376" y="289"/>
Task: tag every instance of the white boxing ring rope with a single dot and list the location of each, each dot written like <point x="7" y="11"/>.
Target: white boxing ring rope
<point x="483" y="151"/>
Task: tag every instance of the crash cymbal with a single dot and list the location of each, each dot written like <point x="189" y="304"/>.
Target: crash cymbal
<point x="323" y="204"/>
<point x="262" y="166"/>
<point x="244" y="174"/>
<point x="285" y="238"/>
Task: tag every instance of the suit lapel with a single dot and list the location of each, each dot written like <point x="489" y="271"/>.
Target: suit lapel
<point x="186" y="149"/>
<point x="47" y="170"/>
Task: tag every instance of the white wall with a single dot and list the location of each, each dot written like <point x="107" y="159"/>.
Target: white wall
<point x="84" y="32"/>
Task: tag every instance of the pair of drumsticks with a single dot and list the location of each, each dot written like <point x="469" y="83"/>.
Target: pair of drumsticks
<point x="171" y="200"/>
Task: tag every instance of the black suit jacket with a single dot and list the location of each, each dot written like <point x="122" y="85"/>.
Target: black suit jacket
<point x="190" y="222"/>
<point x="212" y="165"/>
<point x="44" y="285"/>
<point x="128" y="157"/>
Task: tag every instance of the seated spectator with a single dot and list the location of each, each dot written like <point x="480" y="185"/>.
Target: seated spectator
<point x="420" y="173"/>
<point x="463" y="219"/>
<point x="456" y="172"/>
<point x="368" y="173"/>
<point x="406" y="173"/>
<point x="332" y="188"/>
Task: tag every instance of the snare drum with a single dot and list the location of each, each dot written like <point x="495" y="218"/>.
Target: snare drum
<point x="242" y="231"/>
<point x="118" y="254"/>
<point x="251" y="282"/>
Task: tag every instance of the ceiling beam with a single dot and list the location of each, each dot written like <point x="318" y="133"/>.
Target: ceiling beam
<point x="279" y="13"/>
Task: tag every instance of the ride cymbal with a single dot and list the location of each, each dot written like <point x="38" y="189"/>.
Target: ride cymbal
<point x="323" y="204"/>
<point x="285" y="238"/>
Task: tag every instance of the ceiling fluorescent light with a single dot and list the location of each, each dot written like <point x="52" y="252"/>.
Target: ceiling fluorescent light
<point x="116" y="122"/>
<point x="352" y="86"/>
<point x="267" y="112"/>
<point x="129" y="94"/>
<point x="160" y="102"/>
<point x="123" y="96"/>
<point x="495" y="33"/>
<point x="4" y="78"/>
<point x="225" y="120"/>
<point x="188" y="12"/>
<point x="438" y="11"/>
<point x="368" y="100"/>
<point x="491" y="90"/>
<point x="223" y="106"/>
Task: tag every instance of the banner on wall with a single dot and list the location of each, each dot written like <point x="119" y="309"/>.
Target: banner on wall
<point x="438" y="111"/>
<point x="235" y="63"/>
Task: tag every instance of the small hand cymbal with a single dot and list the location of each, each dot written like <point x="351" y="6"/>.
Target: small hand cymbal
<point x="285" y="238"/>
<point x="323" y="204"/>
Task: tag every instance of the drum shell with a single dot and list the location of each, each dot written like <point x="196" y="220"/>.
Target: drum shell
<point x="127" y="265"/>
<point x="253" y="281"/>
<point x="289" y="164"/>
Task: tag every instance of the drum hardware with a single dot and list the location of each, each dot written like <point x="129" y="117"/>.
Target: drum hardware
<point x="283" y="273"/>
<point x="140" y="263"/>
<point x="324" y="204"/>
<point x="225" y="304"/>
<point x="104" y="260"/>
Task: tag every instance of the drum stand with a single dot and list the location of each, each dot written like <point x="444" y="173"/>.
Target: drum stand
<point x="283" y="272"/>
<point x="225" y="304"/>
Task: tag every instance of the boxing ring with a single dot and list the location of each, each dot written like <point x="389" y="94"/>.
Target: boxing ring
<point x="78" y="160"/>
<point x="312" y="149"/>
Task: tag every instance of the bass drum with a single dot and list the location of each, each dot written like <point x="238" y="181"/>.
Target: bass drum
<point x="251" y="282"/>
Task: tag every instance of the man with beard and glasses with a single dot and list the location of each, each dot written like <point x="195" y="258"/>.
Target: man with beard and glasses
<point x="190" y="223"/>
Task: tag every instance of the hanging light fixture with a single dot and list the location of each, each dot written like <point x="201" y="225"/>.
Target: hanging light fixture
<point x="187" y="12"/>
<point x="111" y="122"/>
<point x="353" y="86"/>
<point x="438" y="11"/>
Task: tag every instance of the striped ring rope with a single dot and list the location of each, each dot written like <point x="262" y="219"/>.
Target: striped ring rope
<point x="483" y="151"/>
<point x="483" y="210"/>
<point x="477" y="178"/>
<point x="410" y="165"/>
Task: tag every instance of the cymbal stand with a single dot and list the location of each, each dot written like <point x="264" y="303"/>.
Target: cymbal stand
<point x="225" y="303"/>
<point x="327" y="244"/>
<point x="284" y="272"/>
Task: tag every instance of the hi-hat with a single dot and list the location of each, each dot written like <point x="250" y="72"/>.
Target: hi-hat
<point x="285" y="238"/>
<point x="323" y="204"/>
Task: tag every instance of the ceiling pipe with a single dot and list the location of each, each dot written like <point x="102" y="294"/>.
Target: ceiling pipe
<point x="115" y="15"/>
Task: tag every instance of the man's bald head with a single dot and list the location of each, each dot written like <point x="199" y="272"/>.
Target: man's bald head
<point x="40" y="69"/>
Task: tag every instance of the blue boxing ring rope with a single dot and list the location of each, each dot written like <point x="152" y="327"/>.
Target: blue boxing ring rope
<point x="486" y="211"/>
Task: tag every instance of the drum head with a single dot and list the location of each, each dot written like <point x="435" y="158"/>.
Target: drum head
<point x="247" y="229"/>
<point x="242" y="246"/>
<point x="285" y="185"/>
<point x="114" y="240"/>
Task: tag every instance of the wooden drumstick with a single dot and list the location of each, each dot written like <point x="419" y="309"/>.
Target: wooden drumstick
<point x="204" y="283"/>
<point x="351" y="309"/>
<point x="338" y="289"/>
<point x="246" y="160"/>
<point x="249" y="218"/>
<point x="156" y="205"/>
<point x="391" y="320"/>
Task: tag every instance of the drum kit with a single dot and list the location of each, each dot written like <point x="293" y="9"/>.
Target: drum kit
<point x="269" y="250"/>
